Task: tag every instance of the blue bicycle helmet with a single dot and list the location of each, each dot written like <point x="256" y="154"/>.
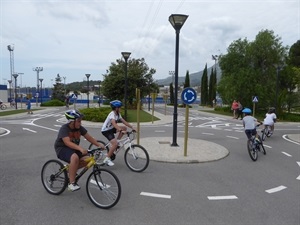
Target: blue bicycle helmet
<point x="247" y="111"/>
<point x="116" y="104"/>
<point x="72" y="115"/>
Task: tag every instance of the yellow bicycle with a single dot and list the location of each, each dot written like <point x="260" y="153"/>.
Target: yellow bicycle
<point x="102" y="186"/>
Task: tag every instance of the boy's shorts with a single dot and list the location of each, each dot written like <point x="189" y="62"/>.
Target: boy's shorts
<point x="65" y="154"/>
<point x="250" y="133"/>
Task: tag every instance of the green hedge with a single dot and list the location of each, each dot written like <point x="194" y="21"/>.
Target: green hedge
<point x="54" y="102"/>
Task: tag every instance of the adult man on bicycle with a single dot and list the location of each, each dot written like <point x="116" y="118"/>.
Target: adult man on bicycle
<point x="110" y="128"/>
<point x="67" y="146"/>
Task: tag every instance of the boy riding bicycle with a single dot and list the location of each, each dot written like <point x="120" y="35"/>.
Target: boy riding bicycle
<point x="110" y="128"/>
<point x="67" y="145"/>
<point x="249" y="123"/>
<point x="270" y="119"/>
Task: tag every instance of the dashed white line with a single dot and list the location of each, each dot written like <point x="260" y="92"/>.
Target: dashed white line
<point x="273" y="190"/>
<point x="160" y="131"/>
<point x="208" y="133"/>
<point x="155" y="195"/>
<point x="232" y="137"/>
<point x="228" y="197"/>
<point x="33" y="131"/>
<point x="287" y="154"/>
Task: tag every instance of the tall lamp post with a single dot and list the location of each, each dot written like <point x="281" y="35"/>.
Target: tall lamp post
<point x="177" y="21"/>
<point x="125" y="56"/>
<point x="15" y="75"/>
<point x="9" y="81"/>
<point x="278" y="68"/>
<point x="11" y="53"/>
<point x="88" y="91"/>
<point x="99" y="93"/>
<point x="41" y="80"/>
<point x="37" y="69"/>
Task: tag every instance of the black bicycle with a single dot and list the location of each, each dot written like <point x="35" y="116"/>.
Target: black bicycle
<point x="102" y="185"/>
<point x="254" y="146"/>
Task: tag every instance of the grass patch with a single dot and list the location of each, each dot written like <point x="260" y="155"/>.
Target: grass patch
<point x="13" y="112"/>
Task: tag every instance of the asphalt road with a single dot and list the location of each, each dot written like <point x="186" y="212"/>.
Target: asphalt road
<point x="233" y="190"/>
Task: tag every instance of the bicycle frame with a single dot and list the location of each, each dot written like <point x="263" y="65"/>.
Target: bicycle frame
<point x="91" y="161"/>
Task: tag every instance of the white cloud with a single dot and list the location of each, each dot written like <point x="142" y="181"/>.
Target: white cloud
<point x="74" y="37"/>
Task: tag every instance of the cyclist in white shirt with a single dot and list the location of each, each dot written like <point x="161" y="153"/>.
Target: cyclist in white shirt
<point x="270" y="119"/>
<point x="110" y="128"/>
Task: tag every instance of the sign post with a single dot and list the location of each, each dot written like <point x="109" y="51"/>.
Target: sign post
<point x="254" y="100"/>
<point x="188" y="96"/>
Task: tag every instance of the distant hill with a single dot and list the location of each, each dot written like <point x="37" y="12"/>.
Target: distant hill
<point x="195" y="78"/>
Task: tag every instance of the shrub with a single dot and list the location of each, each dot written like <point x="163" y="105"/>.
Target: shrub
<point x="54" y="102"/>
<point x="95" y="114"/>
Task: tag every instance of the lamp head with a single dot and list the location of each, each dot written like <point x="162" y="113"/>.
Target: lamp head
<point x="126" y="55"/>
<point x="177" y="20"/>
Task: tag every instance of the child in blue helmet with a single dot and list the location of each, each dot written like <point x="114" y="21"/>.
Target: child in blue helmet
<point x="249" y="123"/>
<point x="110" y="128"/>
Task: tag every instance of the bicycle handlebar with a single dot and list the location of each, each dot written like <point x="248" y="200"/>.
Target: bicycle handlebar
<point x="92" y="151"/>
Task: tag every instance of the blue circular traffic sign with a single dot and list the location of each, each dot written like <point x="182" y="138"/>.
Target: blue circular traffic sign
<point x="188" y="95"/>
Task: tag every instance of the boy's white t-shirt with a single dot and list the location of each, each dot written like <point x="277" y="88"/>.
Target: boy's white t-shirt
<point x="107" y="125"/>
<point x="249" y="122"/>
<point x="269" y="120"/>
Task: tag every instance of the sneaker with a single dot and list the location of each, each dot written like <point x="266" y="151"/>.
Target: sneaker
<point x="73" y="187"/>
<point x="257" y="140"/>
<point x="108" y="161"/>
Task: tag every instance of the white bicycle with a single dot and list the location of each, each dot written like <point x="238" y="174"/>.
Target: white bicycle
<point x="136" y="156"/>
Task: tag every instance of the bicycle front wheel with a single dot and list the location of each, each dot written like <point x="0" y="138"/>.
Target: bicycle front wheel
<point x="251" y="150"/>
<point x="3" y="107"/>
<point x="103" y="188"/>
<point x="136" y="158"/>
<point x="54" y="178"/>
<point x="261" y="146"/>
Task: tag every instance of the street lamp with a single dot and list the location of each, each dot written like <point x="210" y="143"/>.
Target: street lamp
<point x="11" y="53"/>
<point x="278" y="68"/>
<point x="37" y="69"/>
<point x="15" y="75"/>
<point x="177" y="21"/>
<point x="99" y="93"/>
<point x="9" y="81"/>
<point x="41" y="80"/>
<point x="88" y="91"/>
<point x="125" y="56"/>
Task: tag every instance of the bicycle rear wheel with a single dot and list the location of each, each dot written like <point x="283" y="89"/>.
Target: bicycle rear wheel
<point x="54" y="178"/>
<point x="264" y="134"/>
<point x="103" y="188"/>
<point x="136" y="158"/>
<point x="251" y="150"/>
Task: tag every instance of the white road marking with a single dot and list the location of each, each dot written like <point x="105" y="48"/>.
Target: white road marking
<point x="285" y="138"/>
<point x="287" y="154"/>
<point x="228" y="197"/>
<point x="298" y="163"/>
<point x="228" y="129"/>
<point x="155" y="195"/>
<point x="33" y="131"/>
<point x="267" y="146"/>
<point x="273" y="190"/>
<point x="6" y="133"/>
<point x="57" y="125"/>
<point x="298" y="178"/>
<point x="208" y="133"/>
<point x="232" y="137"/>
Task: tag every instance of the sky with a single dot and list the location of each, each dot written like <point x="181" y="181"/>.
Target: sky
<point x="77" y="37"/>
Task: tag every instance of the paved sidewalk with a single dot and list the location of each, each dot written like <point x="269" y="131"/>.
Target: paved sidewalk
<point x="160" y="149"/>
